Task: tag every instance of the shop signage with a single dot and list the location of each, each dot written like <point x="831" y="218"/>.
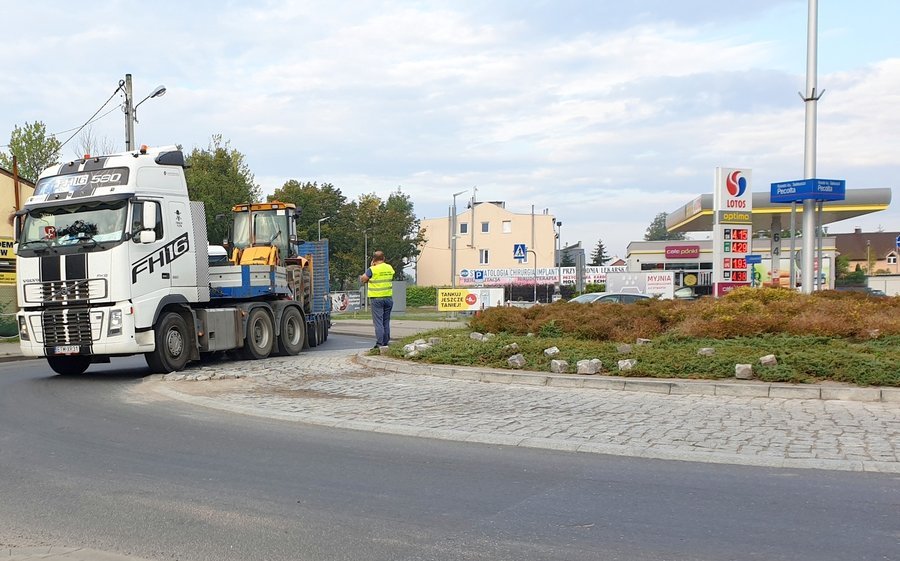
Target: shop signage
<point x="682" y="251"/>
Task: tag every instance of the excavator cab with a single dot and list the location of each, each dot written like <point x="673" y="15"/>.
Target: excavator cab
<point x="263" y="233"/>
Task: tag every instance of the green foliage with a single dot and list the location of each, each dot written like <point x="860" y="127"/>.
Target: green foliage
<point x="550" y="329"/>
<point x="566" y="260"/>
<point x="657" y="230"/>
<point x="594" y="287"/>
<point x="599" y="256"/>
<point x="220" y="178"/>
<point x="418" y="296"/>
<point x="34" y="150"/>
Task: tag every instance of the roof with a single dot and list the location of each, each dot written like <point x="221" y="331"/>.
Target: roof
<point x="856" y="246"/>
<point x="6" y="172"/>
<point x="697" y="215"/>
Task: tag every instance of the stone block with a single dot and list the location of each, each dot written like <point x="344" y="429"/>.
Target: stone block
<point x="384" y="350"/>
<point x="409" y="348"/>
<point x="627" y="364"/>
<point x="623" y="348"/>
<point x="419" y="342"/>
<point x="411" y="354"/>
<point x="435" y="340"/>
<point x="643" y="341"/>
<point x="422" y="347"/>
<point x="588" y="366"/>
<point x="706" y="351"/>
<point x="743" y="371"/>
<point x="488" y="336"/>
<point x="476" y="336"/>
<point x="768" y="360"/>
<point x="552" y="351"/>
<point x="516" y="361"/>
<point x="529" y="334"/>
<point x="559" y="366"/>
<point x="511" y="348"/>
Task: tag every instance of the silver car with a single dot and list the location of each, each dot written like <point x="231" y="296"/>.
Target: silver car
<point x="610" y="297"/>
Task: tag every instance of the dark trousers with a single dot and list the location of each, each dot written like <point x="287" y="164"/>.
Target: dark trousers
<point x="381" y="317"/>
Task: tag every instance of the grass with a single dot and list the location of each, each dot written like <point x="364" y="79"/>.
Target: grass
<point x="413" y="314"/>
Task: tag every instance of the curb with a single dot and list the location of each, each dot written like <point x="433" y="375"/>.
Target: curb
<point x="663" y="386"/>
<point x="537" y="442"/>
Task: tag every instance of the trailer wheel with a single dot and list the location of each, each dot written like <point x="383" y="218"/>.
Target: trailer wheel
<point x="69" y="365"/>
<point x="323" y="333"/>
<point x="326" y="325"/>
<point x="293" y="332"/>
<point x="312" y="333"/>
<point x="172" y="353"/>
<point x="260" y="334"/>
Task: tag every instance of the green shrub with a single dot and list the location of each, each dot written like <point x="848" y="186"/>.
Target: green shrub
<point x="418" y="296"/>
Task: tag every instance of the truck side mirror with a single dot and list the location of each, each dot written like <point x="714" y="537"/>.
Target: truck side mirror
<point x="148" y="236"/>
<point x="148" y="216"/>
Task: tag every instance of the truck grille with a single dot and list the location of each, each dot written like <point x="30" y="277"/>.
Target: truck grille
<point x="65" y="291"/>
<point x="67" y="327"/>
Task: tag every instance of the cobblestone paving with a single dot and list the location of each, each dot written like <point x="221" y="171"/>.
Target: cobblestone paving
<point x="328" y="387"/>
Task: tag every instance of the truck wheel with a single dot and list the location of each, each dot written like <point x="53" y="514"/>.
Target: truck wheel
<point x="325" y="327"/>
<point x="293" y="332"/>
<point x="172" y="342"/>
<point x="69" y="365"/>
<point x="260" y="335"/>
<point x="322" y="334"/>
<point x="312" y="333"/>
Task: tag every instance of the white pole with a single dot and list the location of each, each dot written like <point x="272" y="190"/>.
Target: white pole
<point x="809" y="164"/>
<point x="533" y="252"/>
<point x="129" y="115"/>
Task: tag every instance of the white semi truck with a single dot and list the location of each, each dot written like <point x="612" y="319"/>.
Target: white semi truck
<point x="112" y="260"/>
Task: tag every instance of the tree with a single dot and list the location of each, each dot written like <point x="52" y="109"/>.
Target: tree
<point x="89" y="143"/>
<point x="33" y="149"/>
<point x="220" y="178"/>
<point x="599" y="257"/>
<point x="657" y="230"/>
<point x="566" y="259"/>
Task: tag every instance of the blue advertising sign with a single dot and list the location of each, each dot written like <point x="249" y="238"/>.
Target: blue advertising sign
<point x="754" y="259"/>
<point x="802" y="189"/>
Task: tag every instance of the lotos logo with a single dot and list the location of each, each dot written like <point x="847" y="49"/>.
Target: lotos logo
<point x="736" y="184"/>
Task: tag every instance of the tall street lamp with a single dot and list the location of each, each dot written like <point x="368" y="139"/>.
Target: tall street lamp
<point x="320" y="226"/>
<point x="453" y="234"/>
<point x="533" y="252"/>
<point x="558" y="256"/>
<point x="131" y="108"/>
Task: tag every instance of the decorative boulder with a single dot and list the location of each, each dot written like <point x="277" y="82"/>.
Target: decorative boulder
<point x="516" y="361"/>
<point x="768" y="360"/>
<point x="624" y="348"/>
<point x="423" y="347"/>
<point x="706" y="351"/>
<point x="643" y="341"/>
<point x="385" y="350"/>
<point x="476" y="336"/>
<point x="552" y="351"/>
<point x="412" y="354"/>
<point x="589" y="366"/>
<point x="419" y="342"/>
<point x="409" y="348"/>
<point x="559" y="366"/>
<point x="511" y="348"/>
<point x="488" y="336"/>
<point x="627" y="364"/>
<point x="435" y="340"/>
<point x="743" y="371"/>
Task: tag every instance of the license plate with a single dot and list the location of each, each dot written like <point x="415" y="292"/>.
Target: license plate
<point x="67" y="350"/>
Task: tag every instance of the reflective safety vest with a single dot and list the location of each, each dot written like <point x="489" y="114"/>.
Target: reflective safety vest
<point x="380" y="284"/>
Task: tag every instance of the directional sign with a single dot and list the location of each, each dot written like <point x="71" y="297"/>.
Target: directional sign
<point x="754" y="258"/>
<point x="519" y="251"/>
<point x="898" y="242"/>
<point x="802" y="189"/>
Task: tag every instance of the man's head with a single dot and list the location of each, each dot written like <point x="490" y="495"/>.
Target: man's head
<point x="378" y="257"/>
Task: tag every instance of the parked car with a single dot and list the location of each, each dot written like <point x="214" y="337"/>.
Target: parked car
<point x="609" y="297"/>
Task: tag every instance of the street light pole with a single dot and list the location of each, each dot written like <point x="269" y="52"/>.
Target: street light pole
<point x="320" y="226"/>
<point x="131" y="108"/>
<point x="453" y="233"/>
<point x="533" y="252"/>
<point x="558" y="256"/>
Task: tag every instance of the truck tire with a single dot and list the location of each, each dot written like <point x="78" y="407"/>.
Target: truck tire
<point x="69" y="365"/>
<point x="325" y="327"/>
<point x="172" y="341"/>
<point x="312" y="333"/>
<point x="293" y="332"/>
<point x="260" y="334"/>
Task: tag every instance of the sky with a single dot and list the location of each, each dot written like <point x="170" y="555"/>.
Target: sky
<point x="605" y="113"/>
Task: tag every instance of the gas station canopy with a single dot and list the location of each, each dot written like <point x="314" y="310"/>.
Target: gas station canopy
<point x="697" y="215"/>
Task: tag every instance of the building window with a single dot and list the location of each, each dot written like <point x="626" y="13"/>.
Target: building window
<point x="483" y="257"/>
<point x="485" y="227"/>
<point x="463" y="227"/>
<point x="507" y="226"/>
<point x="892" y="259"/>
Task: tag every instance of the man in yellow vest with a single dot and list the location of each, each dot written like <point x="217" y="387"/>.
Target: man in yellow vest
<point x="379" y="276"/>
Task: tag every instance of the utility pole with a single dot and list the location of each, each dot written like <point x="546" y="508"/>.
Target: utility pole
<point x="129" y="115"/>
<point x="810" y="97"/>
<point x="533" y="252"/>
<point x="453" y="236"/>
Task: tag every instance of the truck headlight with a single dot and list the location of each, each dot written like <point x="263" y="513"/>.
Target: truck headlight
<point x="23" y="329"/>
<point x="115" y="323"/>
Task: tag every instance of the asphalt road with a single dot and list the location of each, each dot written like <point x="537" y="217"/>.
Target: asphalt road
<point x="97" y="461"/>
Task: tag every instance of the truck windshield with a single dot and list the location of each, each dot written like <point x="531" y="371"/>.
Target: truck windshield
<point x="87" y="224"/>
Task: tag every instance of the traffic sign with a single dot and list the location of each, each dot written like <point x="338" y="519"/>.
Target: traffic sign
<point x="898" y="242"/>
<point x="519" y="251"/>
<point x="754" y="258"/>
<point x="802" y="189"/>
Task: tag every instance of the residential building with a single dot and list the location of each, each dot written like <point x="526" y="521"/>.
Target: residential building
<point x="8" y="208"/>
<point x="487" y="235"/>
<point x="874" y="252"/>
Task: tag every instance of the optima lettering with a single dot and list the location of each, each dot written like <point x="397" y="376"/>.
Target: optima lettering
<point x="168" y="253"/>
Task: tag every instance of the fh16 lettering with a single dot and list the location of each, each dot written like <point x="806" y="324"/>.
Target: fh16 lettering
<point x="168" y="253"/>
